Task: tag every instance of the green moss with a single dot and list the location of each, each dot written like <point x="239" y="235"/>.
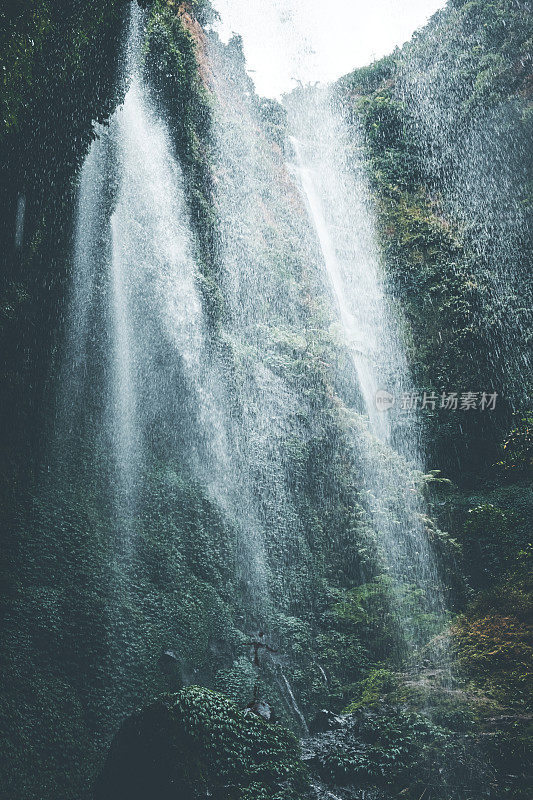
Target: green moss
<point x="374" y="688"/>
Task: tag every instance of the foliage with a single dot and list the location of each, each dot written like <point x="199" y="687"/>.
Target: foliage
<point x="201" y="9"/>
<point x="197" y="743"/>
<point x="492" y="537"/>
<point x="61" y="70"/>
<point x="45" y="47"/>
<point x="446" y="124"/>
<point x="374" y="688"/>
<point x="498" y="651"/>
<point x="71" y="670"/>
<point x="373" y="610"/>
<point x="424" y="112"/>
<point x="172" y="55"/>
<point x="383" y="122"/>
<point x="391" y="748"/>
<point x="369" y="78"/>
<point x="517" y="455"/>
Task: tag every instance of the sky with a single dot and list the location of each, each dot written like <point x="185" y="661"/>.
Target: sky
<point x="286" y="41"/>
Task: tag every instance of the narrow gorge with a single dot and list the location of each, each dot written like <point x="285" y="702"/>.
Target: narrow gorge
<point x="266" y="392"/>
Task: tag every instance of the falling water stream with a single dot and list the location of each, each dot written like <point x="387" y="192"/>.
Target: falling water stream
<point x="19" y="221"/>
<point x="294" y="704"/>
<point x="152" y="338"/>
<point x="136" y="320"/>
<point x="339" y="207"/>
<point x="355" y="317"/>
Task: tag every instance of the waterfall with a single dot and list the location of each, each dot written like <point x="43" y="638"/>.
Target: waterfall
<point x="146" y="381"/>
<point x="88" y="249"/>
<point x="360" y="322"/>
<point x="388" y="449"/>
<point x="338" y="205"/>
<point x="136" y="322"/>
<point x="217" y="300"/>
<point x="19" y="221"/>
<point x="258" y="242"/>
<point x="294" y="704"/>
<point x="264" y="238"/>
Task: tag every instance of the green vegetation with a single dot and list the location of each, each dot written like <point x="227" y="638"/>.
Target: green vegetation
<point x="397" y="751"/>
<point x="60" y="64"/>
<point x="72" y="672"/>
<point x="425" y="112"/>
<point x="172" y="55"/>
<point x="44" y="46"/>
<point x="197" y="743"/>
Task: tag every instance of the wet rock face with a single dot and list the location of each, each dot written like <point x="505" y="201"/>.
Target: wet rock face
<point x="323" y="721"/>
<point x="196" y="744"/>
<point x="387" y="751"/>
<point x="324" y="793"/>
<point x="365" y="754"/>
<point x="147" y="755"/>
<point x="261" y="709"/>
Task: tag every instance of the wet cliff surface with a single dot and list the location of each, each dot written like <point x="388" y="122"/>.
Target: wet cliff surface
<point x="192" y="450"/>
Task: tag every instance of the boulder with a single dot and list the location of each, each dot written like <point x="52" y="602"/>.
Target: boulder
<point x="261" y="709"/>
<point x="197" y="744"/>
<point x="324" y="720"/>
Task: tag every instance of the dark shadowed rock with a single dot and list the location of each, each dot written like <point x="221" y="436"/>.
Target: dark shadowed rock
<point x="261" y="709"/>
<point x="324" y="720"/>
<point x="196" y="744"/>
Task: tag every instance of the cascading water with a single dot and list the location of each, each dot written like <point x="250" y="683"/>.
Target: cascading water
<point x="360" y="322"/>
<point x="387" y="449"/>
<point x="160" y="379"/>
<point x="294" y="704"/>
<point x="89" y="247"/>
<point x="19" y="221"/>
<point x="258" y="242"/>
<point x="339" y="208"/>
<point x="137" y="324"/>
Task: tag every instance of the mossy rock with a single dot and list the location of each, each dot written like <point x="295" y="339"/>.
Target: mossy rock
<point x="197" y="744"/>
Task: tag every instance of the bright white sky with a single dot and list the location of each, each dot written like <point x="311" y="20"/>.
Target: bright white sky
<point x="317" y="40"/>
